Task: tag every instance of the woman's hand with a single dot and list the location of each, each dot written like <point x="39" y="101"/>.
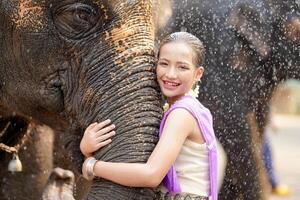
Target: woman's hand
<point x="96" y="135"/>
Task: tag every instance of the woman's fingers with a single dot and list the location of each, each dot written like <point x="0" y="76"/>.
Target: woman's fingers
<point x="105" y="136"/>
<point x="104" y="143"/>
<point x="101" y="125"/>
<point x="105" y="130"/>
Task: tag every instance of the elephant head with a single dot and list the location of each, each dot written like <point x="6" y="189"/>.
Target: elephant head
<point x="67" y="63"/>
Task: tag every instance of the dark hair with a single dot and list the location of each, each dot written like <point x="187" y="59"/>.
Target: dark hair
<point x="192" y="41"/>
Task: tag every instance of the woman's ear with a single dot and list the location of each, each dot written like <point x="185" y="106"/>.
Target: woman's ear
<point x="199" y="73"/>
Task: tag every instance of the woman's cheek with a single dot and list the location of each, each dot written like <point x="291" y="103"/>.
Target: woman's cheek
<point x="158" y="72"/>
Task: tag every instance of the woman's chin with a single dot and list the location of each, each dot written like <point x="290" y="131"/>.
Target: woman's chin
<point x="173" y="97"/>
<point x="169" y="94"/>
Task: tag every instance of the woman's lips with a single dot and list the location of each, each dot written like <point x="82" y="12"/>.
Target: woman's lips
<point x="170" y="85"/>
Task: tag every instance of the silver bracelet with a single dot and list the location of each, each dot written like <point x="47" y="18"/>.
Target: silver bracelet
<point x="90" y="168"/>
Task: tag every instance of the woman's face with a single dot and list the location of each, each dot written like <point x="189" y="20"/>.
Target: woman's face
<point x="176" y="72"/>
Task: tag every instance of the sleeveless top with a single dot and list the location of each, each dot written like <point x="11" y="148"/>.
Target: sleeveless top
<point x="192" y="168"/>
<point x="204" y="121"/>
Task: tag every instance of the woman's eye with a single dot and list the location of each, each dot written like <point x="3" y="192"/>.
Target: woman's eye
<point x="163" y="63"/>
<point x="183" y="67"/>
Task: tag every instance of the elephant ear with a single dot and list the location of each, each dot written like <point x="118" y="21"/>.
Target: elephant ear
<point x="248" y="24"/>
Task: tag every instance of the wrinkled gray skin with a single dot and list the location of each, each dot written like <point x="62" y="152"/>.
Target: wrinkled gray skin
<point x="69" y="63"/>
<point x="251" y="46"/>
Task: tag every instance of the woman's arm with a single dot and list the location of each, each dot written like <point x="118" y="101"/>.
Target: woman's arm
<point x="178" y="126"/>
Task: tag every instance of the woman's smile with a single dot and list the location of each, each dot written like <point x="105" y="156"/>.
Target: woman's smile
<point x="170" y="85"/>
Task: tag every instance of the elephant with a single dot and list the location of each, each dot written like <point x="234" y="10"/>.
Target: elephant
<point x="251" y="46"/>
<point x="69" y="63"/>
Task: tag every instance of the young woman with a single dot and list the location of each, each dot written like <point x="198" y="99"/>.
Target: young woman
<point x="185" y="158"/>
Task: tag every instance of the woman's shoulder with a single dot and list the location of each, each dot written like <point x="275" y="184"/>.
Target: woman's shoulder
<point x="181" y="118"/>
<point x="188" y="106"/>
<point x="180" y="114"/>
<point x="183" y="109"/>
<point x="191" y="103"/>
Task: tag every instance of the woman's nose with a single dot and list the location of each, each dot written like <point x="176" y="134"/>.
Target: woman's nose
<point x="171" y="73"/>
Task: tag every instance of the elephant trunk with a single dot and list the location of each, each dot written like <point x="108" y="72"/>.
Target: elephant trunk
<point x="131" y="99"/>
<point x="133" y="105"/>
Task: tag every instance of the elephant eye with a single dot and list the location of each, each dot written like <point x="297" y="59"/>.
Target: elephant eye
<point x="77" y="20"/>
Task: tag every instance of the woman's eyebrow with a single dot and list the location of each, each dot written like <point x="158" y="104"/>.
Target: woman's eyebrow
<point x="163" y="59"/>
<point x="183" y="62"/>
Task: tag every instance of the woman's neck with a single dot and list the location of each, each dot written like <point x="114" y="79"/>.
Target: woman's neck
<point x="172" y="100"/>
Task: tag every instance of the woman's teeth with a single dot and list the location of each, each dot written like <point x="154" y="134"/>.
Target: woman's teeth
<point x="171" y="83"/>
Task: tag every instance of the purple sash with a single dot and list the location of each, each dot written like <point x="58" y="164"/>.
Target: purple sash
<point x="204" y="120"/>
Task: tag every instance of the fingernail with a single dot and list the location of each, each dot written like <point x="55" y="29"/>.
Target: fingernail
<point x="113" y="132"/>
